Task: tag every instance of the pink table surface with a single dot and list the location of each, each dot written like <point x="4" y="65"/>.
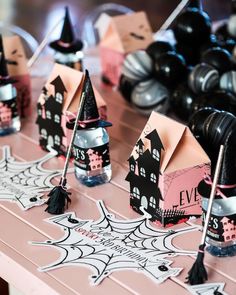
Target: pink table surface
<point x="19" y="260"/>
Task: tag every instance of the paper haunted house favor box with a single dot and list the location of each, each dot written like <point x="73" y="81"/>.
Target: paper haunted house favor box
<point x="120" y="35"/>
<point x="58" y="103"/>
<point x="18" y="70"/>
<point x="166" y="166"/>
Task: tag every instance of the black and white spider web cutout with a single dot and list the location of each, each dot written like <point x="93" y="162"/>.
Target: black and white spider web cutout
<point x="110" y="244"/>
<point x="25" y="182"/>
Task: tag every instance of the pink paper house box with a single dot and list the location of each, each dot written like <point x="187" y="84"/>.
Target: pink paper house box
<point x="120" y="35"/>
<point x="18" y="70"/>
<point x="166" y="166"/>
<point x="59" y="103"/>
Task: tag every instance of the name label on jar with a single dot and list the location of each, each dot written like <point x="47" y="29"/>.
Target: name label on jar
<point x="8" y="111"/>
<point x="221" y="228"/>
<point x="93" y="158"/>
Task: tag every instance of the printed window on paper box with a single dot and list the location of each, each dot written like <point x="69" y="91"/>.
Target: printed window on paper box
<point x="57" y="139"/>
<point x="155" y="154"/>
<point x="44" y="133"/>
<point x="59" y="97"/>
<point x="142" y="172"/>
<point x="152" y="202"/>
<point x="48" y="114"/>
<point x="57" y="119"/>
<point x="136" y="193"/>
<point x="153" y="177"/>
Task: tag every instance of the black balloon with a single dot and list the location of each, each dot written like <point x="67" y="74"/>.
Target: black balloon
<point x="181" y="101"/>
<point x="190" y="54"/>
<point x="212" y="42"/>
<point x="170" y="68"/>
<point x="192" y="27"/>
<point x="229" y="44"/>
<point x="157" y="48"/>
<point x="222" y="32"/>
<point x="203" y="78"/>
<point x="219" y="58"/>
<point x="126" y="87"/>
<point x="219" y="99"/>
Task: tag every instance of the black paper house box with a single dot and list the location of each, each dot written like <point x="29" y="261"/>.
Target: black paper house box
<point x="58" y="103"/>
<point x="166" y="166"/>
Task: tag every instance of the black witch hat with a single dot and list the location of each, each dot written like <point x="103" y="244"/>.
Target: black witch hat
<point x="221" y="129"/>
<point x="4" y="76"/>
<point x="195" y="4"/>
<point x="89" y="117"/>
<point x="67" y="42"/>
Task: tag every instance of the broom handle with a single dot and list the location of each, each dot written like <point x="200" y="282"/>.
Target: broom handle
<point x="213" y="192"/>
<point x="173" y="15"/>
<point x="41" y="46"/>
<point x="72" y="139"/>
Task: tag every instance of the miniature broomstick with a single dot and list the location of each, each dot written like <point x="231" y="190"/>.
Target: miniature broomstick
<point x="198" y="273"/>
<point x="59" y="196"/>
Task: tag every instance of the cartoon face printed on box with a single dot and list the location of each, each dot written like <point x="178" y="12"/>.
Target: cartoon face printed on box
<point x="120" y="35"/>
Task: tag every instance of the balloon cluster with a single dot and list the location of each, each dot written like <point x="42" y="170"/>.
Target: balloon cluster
<point x="148" y="77"/>
<point x="198" y="71"/>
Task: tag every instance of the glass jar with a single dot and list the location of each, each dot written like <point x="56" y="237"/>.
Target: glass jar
<point x="221" y="232"/>
<point x="91" y="156"/>
<point x="73" y="60"/>
<point x="9" y="117"/>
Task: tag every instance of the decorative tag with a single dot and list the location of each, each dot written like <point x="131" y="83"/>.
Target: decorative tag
<point x="221" y="228"/>
<point x="8" y="111"/>
<point x="91" y="158"/>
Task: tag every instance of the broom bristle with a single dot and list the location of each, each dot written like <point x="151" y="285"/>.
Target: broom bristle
<point x="58" y="200"/>
<point x="198" y="274"/>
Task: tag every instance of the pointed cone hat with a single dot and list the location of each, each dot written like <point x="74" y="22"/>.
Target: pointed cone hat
<point x="67" y="42"/>
<point x="4" y="76"/>
<point x="195" y="4"/>
<point x="89" y="117"/>
<point x="226" y="123"/>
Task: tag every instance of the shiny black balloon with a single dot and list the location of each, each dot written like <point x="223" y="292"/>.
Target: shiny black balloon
<point x="222" y="32"/>
<point x="181" y="101"/>
<point x="228" y="44"/>
<point x="219" y="99"/>
<point x="212" y="42"/>
<point x="190" y="54"/>
<point x="157" y="48"/>
<point x="126" y="87"/>
<point x="192" y="27"/>
<point x="219" y="58"/>
<point x="203" y="78"/>
<point x="170" y="68"/>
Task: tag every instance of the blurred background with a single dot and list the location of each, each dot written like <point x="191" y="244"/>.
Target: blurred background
<point x="38" y="16"/>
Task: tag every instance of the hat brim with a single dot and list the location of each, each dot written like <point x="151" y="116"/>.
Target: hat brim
<point x="8" y="81"/>
<point x="96" y="124"/>
<point x="72" y="47"/>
